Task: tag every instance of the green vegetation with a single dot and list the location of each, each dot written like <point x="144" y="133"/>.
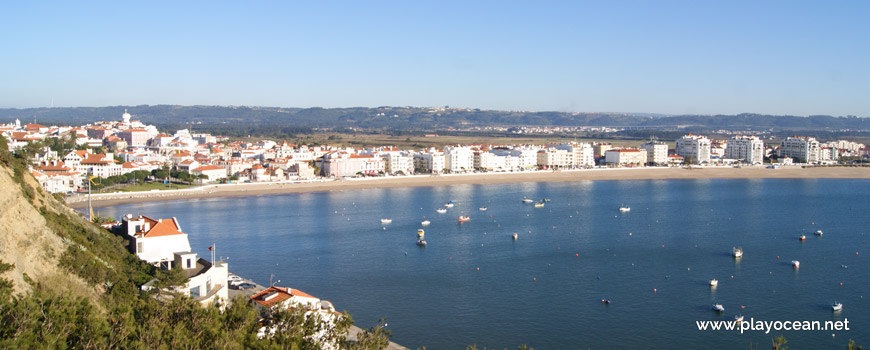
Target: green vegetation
<point x="116" y="314"/>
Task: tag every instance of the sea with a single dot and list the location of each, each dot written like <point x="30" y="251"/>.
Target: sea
<point x="473" y="284"/>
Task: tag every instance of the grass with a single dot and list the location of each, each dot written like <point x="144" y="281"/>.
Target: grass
<point x="149" y="186"/>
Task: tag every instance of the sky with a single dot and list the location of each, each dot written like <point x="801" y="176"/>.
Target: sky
<point x="668" y="57"/>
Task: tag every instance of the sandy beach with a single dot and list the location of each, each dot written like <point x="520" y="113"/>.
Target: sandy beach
<point x="252" y="189"/>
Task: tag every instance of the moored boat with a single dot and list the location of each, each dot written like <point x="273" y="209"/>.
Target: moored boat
<point x="386" y="221"/>
<point x="448" y="205"/>
<point x="425" y="223"/>
<point x="714" y="282"/>
<point x="819" y="233"/>
<point x="624" y="208"/>
<point x="526" y="200"/>
<point x="420" y="233"/>
<point x="718" y="308"/>
<point x="515" y="236"/>
<point x="422" y="243"/>
<point x="837" y="306"/>
<point x="482" y="208"/>
<point x="738" y="252"/>
<point x="539" y="205"/>
<point x="795" y="263"/>
<point x="441" y="210"/>
<point x="464" y="218"/>
<point x="738" y="318"/>
<point x="803" y="237"/>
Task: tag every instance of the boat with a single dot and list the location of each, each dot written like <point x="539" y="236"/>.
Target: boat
<point x="526" y="200"/>
<point x="738" y="318"/>
<point x="515" y="236"/>
<point x="482" y="208"/>
<point x="714" y="282"/>
<point x="803" y="237"/>
<point x="624" y="208"/>
<point x="425" y="223"/>
<point x="386" y="221"/>
<point x="464" y="218"/>
<point x="420" y="233"/>
<point x="738" y="252"/>
<point x="606" y="301"/>
<point x="819" y="233"/>
<point x="718" y="308"/>
<point x="796" y="263"/>
<point x="545" y="200"/>
<point x="448" y="205"/>
<point x="441" y="210"/>
<point x="837" y="307"/>
<point x="539" y="205"/>
<point x="422" y="243"/>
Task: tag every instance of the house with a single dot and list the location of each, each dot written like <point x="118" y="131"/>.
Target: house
<point x="213" y="172"/>
<point x="287" y="298"/>
<point x="160" y="242"/>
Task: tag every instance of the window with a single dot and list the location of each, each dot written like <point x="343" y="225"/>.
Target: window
<point x="194" y="292"/>
<point x="139" y="247"/>
<point x="208" y="284"/>
<point x="189" y="263"/>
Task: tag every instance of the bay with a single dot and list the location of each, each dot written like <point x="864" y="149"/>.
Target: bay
<point x="474" y="284"/>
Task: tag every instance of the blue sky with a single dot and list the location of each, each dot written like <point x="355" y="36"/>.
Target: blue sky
<point x="671" y="57"/>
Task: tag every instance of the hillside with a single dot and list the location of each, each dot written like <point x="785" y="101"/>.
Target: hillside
<point x="241" y="120"/>
<point x="67" y="283"/>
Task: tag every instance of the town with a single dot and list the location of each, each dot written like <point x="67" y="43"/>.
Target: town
<point x="112" y="152"/>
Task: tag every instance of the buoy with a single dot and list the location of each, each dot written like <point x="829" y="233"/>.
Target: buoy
<point x="777" y="257"/>
<point x="548" y="265"/>
<point x="577" y="255"/>
<point x="841" y="284"/>
<point x="655" y="290"/>
<point x="478" y="269"/>
<point x="856" y="253"/>
<point x="598" y="277"/>
<point x="534" y="279"/>
<point x="732" y="277"/>
<point x="663" y="245"/>
<point x="629" y="233"/>
<point x="742" y="306"/>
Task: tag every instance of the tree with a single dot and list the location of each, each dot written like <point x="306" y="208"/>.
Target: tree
<point x="779" y="343"/>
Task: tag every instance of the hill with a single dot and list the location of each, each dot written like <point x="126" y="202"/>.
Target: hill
<point x="241" y="120"/>
<point x="67" y="283"/>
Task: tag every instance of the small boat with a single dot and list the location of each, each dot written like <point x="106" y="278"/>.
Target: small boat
<point x="738" y="252"/>
<point x="803" y="237"/>
<point x="441" y="210"/>
<point x="422" y="243"/>
<point x="606" y="301"/>
<point x="796" y="263"/>
<point x="526" y="200"/>
<point x="714" y="282"/>
<point x="386" y="221"/>
<point x="837" y="307"/>
<point x="482" y="208"/>
<point x="539" y="205"/>
<point x="464" y="218"/>
<point x="624" y="208"/>
<point x="819" y="233"/>
<point x="425" y="223"/>
<point x="738" y="318"/>
<point x="448" y="205"/>
<point x="718" y="308"/>
<point x="545" y="200"/>
<point x="420" y="233"/>
<point x="515" y="236"/>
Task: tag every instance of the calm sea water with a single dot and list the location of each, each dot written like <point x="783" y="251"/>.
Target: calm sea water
<point x="474" y="284"/>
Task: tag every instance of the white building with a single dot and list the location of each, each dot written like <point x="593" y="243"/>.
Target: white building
<point x="749" y="149"/>
<point x="458" y="159"/>
<point x="552" y="158"/>
<point x="625" y="156"/>
<point x="583" y="154"/>
<point x="518" y="158"/>
<point x="656" y="152"/>
<point x="802" y="149"/>
<point x="213" y="172"/>
<point x="395" y="162"/>
<point x="694" y="148"/>
<point x="432" y="161"/>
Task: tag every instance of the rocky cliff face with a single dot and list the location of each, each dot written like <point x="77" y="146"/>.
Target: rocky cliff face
<point x="27" y="242"/>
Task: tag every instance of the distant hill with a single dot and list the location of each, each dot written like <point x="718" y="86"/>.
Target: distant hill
<point x="250" y="120"/>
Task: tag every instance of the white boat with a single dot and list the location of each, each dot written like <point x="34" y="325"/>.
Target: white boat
<point x="738" y="318"/>
<point x="803" y="237"/>
<point x="718" y="308"/>
<point x="441" y="210"/>
<point x="837" y="306"/>
<point x="425" y="223"/>
<point x="526" y="200"/>
<point x="464" y="218"/>
<point x="448" y="205"/>
<point x="482" y="208"/>
<point x="422" y="243"/>
<point x="819" y="233"/>
<point x="624" y="209"/>
<point x="515" y="236"/>
<point x="795" y="263"/>
<point x="738" y="252"/>
<point x="539" y="205"/>
<point x="714" y="282"/>
<point x="386" y="221"/>
<point x="420" y="233"/>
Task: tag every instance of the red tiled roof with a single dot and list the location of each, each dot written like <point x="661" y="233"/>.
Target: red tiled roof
<point x="280" y="295"/>
<point x="208" y="167"/>
<point x="161" y="227"/>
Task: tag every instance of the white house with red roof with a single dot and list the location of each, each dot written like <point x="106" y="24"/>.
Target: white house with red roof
<point x="162" y="243"/>
<point x="213" y="172"/>
<point x="288" y="298"/>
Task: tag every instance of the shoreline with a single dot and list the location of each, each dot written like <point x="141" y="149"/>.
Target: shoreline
<point x="254" y="189"/>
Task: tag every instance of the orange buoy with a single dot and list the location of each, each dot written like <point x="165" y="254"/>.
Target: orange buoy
<point x="655" y="290"/>
<point x="478" y="269"/>
<point x="577" y="255"/>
